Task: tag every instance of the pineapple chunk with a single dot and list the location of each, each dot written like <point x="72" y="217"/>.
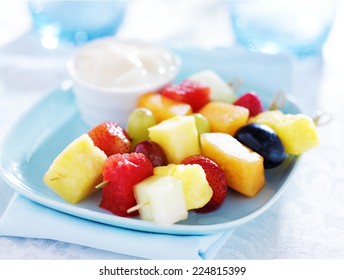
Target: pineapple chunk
<point x="76" y="170"/>
<point x="177" y="136"/>
<point x="195" y="185"/>
<point x="162" y="200"/>
<point x="297" y="132"/>
<point x="224" y="117"/>
<point x="219" y="89"/>
<point x="162" y="107"/>
<point x="244" y="168"/>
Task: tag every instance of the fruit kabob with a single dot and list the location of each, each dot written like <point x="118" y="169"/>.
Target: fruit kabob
<point x="182" y="148"/>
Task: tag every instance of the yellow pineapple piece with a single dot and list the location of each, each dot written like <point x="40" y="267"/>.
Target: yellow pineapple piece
<point x="297" y="132"/>
<point x="177" y="136"/>
<point x="267" y="117"/>
<point x="224" y="117"/>
<point x="243" y="167"/>
<point x="76" y="170"/>
<point x="162" y="107"/>
<point x="195" y="185"/>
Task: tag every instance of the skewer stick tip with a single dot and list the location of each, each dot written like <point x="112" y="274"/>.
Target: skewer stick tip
<point x="322" y="118"/>
<point x="102" y="184"/>
<point x="278" y="101"/>
<point x="137" y="207"/>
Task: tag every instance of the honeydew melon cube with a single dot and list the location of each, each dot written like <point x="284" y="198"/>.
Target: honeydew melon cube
<point x="219" y="89"/>
<point x="76" y="171"/>
<point x="196" y="188"/>
<point x="162" y="198"/>
<point x="178" y="136"/>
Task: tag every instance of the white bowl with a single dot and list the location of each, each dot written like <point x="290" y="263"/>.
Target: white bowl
<point x="109" y="75"/>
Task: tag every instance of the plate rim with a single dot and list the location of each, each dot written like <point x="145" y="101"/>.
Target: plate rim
<point x="122" y="222"/>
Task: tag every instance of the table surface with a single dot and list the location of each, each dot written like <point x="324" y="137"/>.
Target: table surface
<point x="306" y="222"/>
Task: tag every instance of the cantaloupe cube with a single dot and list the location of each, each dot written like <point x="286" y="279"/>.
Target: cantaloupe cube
<point x="162" y="107"/>
<point x="224" y="117"/>
<point x="243" y="167"/>
<point x="76" y="170"/>
<point x="177" y="136"/>
<point x="297" y="132"/>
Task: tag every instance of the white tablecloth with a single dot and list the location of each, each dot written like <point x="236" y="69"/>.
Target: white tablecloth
<point x="306" y="222"/>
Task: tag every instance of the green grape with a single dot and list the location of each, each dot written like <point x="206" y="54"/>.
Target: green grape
<point x="139" y="120"/>
<point x="202" y="123"/>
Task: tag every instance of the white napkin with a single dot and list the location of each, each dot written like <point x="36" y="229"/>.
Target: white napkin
<point x="24" y="218"/>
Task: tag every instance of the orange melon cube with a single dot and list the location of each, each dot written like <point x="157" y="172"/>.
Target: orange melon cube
<point x="243" y="167"/>
<point x="224" y="117"/>
<point x="162" y="107"/>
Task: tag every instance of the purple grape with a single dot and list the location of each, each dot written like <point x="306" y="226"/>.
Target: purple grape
<point x="153" y="151"/>
<point x="263" y="140"/>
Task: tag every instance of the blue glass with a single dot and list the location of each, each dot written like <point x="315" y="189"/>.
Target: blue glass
<point x="76" y="21"/>
<point x="271" y="26"/>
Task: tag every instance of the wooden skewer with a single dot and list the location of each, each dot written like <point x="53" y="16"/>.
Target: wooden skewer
<point x="235" y="84"/>
<point x="102" y="184"/>
<point x="322" y="119"/>
<point x="54" y="178"/>
<point x="137" y="207"/>
<point x="278" y="101"/>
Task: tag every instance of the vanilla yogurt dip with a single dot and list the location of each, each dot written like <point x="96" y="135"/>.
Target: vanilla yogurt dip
<point x="115" y="64"/>
<point x="109" y="75"/>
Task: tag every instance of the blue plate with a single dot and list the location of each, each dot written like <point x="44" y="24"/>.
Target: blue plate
<point x="43" y="132"/>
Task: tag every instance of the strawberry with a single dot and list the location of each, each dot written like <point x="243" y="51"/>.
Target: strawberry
<point x="216" y="179"/>
<point x="251" y="101"/>
<point x="122" y="172"/>
<point x="192" y="93"/>
<point x="111" y="138"/>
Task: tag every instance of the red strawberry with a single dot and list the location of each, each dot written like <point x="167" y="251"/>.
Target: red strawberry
<point x="251" y="101"/>
<point x="122" y="172"/>
<point x="216" y="179"/>
<point x="192" y="93"/>
<point x="111" y="138"/>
